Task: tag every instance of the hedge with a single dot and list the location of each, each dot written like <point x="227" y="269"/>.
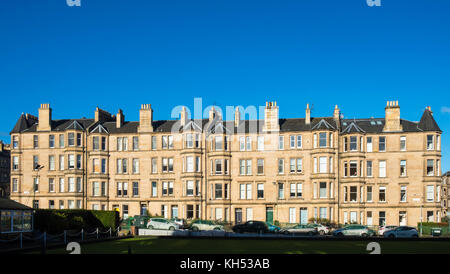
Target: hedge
<point x="427" y="226"/>
<point x="55" y="221"/>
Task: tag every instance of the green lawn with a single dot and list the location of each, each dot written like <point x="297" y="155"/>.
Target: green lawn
<point x="149" y="245"/>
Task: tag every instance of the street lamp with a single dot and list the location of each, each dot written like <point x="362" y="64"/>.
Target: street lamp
<point x="420" y="199"/>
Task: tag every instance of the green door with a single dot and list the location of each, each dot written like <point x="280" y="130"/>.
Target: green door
<point x="269" y="215"/>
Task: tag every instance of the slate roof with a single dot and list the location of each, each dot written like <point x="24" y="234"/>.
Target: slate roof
<point x="427" y="122"/>
<point x="369" y="125"/>
<point x="12" y="205"/>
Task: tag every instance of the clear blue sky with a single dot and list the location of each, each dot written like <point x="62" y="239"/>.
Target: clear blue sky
<point x="120" y="54"/>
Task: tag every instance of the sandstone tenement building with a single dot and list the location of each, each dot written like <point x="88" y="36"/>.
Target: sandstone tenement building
<point x="4" y="170"/>
<point x="372" y="171"/>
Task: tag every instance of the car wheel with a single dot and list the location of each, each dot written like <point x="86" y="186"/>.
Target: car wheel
<point x="260" y="231"/>
<point x="217" y="228"/>
<point x="310" y="233"/>
<point x="171" y="228"/>
<point x="322" y="232"/>
<point x="150" y="227"/>
<point x="286" y="232"/>
<point x="415" y="236"/>
<point x="364" y="235"/>
<point x="340" y="234"/>
<point x="392" y="236"/>
<point x="195" y="228"/>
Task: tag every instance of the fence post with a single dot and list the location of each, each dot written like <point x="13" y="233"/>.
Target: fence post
<point x="97" y="233"/>
<point x="44" y="242"/>
<point x="110" y="232"/>
<point x="82" y="234"/>
<point x="21" y="243"/>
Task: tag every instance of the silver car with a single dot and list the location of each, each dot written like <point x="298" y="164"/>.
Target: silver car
<point x="354" y="230"/>
<point x="300" y="229"/>
<point x="385" y="228"/>
<point x="199" y="225"/>
<point x="402" y="232"/>
<point x="160" y="223"/>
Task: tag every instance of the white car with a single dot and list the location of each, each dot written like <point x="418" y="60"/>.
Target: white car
<point x="321" y="229"/>
<point x="199" y="225"/>
<point x="160" y="223"/>
<point x="385" y="228"/>
<point x="402" y="232"/>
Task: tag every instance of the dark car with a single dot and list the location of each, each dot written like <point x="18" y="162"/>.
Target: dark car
<point x="251" y="226"/>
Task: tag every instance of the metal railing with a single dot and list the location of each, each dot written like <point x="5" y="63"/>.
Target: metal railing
<point x="64" y="237"/>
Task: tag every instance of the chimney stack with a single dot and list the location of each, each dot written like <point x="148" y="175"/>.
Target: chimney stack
<point x="237" y="117"/>
<point x="271" y="122"/>
<point x="336" y="113"/>
<point x="183" y="116"/>
<point x="307" y="115"/>
<point x="119" y="119"/>
<point x="102" y="115"/>
<point x="429" y="109"/>
<point x="146" y="118"/>
<point x="392" y="117"/>
<point x="45" y="118"/>
<point x="212" y="113"/>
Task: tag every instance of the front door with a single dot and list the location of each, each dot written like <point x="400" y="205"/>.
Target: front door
<point x="174" y="211"/>
<point x="238" y="215"/>
<point x="269" y="215"/>
<point x="303" y="215"/>
<point x="143" y="209"/>
<point x="402" y="218"/>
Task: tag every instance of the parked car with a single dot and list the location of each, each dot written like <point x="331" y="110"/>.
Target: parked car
<point x="402" y="232"/>
<point x="301" y="229"/>
<point x="180" y="222"/>
<point x="161" y="223"/>
<point x="199" y="225"/>
<point x="385" y="228"/>
<point x="251" y="226"/>
<point x="354" y="230"/>
<point x="273" y="228"/>
<point x="321" y="229"/>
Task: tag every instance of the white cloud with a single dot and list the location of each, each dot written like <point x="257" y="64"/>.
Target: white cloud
<point x="445" y="110"/>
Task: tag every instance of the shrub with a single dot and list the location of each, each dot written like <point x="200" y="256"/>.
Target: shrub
<point x="56" y="221"/>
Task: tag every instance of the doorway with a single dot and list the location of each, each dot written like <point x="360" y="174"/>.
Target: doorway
<point x="269" y="215"/>
<point x="402" y="218"/>
<point x="303" y="215"/>
<point x="238" y="215"/>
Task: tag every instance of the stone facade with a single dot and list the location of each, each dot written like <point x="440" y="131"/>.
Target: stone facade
<point x="370" y="171"/>
<point x="4" y="169"/>
<point x="445" y="195"/>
